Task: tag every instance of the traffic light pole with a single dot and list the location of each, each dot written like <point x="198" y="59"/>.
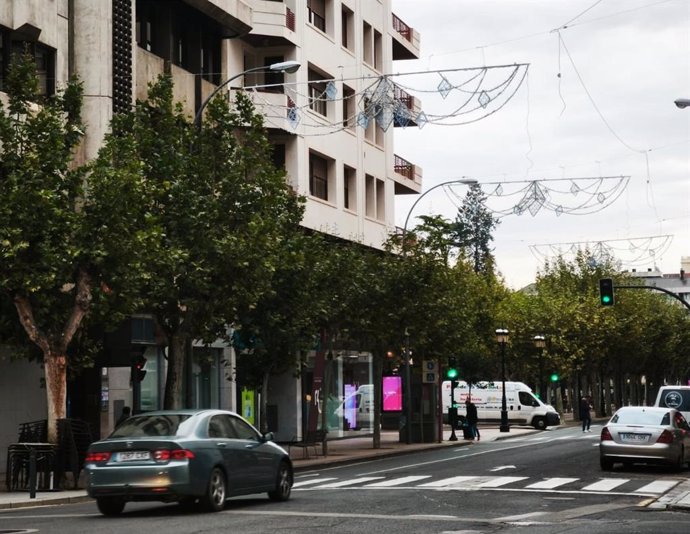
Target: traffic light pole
<point x="655" y="288"/>
<point x="452" y="412"/>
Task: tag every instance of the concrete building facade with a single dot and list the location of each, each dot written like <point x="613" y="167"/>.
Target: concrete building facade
<point x="331" y="130"/>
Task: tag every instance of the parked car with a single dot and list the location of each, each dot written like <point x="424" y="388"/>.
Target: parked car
<point x="185" y="456"/>
<point x="644" y="434"/>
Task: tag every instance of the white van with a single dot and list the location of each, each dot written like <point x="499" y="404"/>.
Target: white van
<point x="677" y="397"/>
<point x="522" y="406"/>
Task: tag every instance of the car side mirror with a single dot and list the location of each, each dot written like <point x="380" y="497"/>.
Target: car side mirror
<point x="268" y="436"/>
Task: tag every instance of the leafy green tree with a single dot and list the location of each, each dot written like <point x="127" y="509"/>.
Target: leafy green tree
<point x="61" y="262"/>
<point x="223" y="211"/>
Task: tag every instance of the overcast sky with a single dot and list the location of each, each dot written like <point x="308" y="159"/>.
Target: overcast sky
<point x="622" y="63"/>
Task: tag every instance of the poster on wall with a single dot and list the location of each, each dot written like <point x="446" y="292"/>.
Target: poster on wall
<point x="248" y="405"/>
<point x="392" y="393"/>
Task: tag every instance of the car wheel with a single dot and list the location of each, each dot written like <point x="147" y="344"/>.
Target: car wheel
<point x="606" y="464"/>
<point x="539" y="423"/>
<point x="214" y="500"/>
<point x="110" y="506"/>
<point x="283" y="483"/>
<point x="680" y="462"/>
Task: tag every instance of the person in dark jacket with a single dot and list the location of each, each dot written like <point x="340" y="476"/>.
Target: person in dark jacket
<point x="585" y="416"/>
<point x="472" y="418"/>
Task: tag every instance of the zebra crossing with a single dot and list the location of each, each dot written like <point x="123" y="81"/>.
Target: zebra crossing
<point x="614" y="486"/>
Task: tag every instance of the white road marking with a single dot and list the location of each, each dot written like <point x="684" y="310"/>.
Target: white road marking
<point x="303" y="483"/>
<point x="453" y="481"/>
<point x="658" y="486"/>
<point x="519" y="517"/>
<point x="397" y="481"/>
<point x="350" y="482"/>
<point x="606" y="484"/>
<point x="551" y="483"/>
<point x="498" y="481"/>
<point x="502" y="467"/>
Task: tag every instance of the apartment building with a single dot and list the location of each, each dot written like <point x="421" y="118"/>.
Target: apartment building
<point x="332" y="124"/>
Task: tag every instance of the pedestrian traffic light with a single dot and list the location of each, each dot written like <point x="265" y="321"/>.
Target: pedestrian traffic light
<point x="606" y="292"/>
<point x="138" y="371"/>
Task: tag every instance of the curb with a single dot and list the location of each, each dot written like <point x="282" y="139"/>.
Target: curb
<point x="45" y="502"/>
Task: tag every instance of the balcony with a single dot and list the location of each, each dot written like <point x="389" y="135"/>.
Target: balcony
<point x="413" y="106"/>
<point x="273" y="24"/>
<point x="407" y="177"/>
<point x="234" y="16"/>
<point x="406" y="40"/>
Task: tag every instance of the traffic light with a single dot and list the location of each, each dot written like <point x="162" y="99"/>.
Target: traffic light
<point x="452" y="371"/>
<point x="606" y="292"/>
<point x="138" y="371"/>
<point x="554" y="377"/>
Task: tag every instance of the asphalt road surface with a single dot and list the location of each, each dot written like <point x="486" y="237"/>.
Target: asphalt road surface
<point x="548" y="482"/>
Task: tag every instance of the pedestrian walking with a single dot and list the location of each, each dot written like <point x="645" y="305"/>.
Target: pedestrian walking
<point x="585" y="416"/>
<point x="472" y="418"/>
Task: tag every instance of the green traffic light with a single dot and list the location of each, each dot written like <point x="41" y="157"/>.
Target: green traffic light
<point x="554" y="377"/>
<point x="605" y="299"/>
<point x="452" y="373"/>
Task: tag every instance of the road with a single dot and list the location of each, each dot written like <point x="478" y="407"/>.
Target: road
<point x="548" y="482"/>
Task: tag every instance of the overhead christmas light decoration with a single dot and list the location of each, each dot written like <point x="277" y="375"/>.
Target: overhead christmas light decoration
<point x="451" y="97"/>
<point x="580" y="196"/>
<point x="630" y="252"/>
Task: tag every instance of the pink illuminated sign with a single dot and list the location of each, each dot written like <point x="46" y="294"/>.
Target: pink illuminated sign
<point x="392" y="394"/>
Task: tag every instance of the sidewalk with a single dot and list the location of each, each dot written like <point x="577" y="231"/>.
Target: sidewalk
<point x="344" y="451"/>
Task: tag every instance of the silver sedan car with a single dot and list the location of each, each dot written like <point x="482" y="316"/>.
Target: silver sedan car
<point x="187" y="456"/>
<point x="643" y="434"/>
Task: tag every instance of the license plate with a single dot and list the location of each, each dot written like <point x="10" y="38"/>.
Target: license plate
<point x="132" y="456"/>
<point x="634" y="438"/>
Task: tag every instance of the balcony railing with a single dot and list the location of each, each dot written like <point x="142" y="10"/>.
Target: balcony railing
<point x="403" y="167"/>
<point x="402" y="28"/>
<point x="404" y="97"/>
<point x="289" y="19"/>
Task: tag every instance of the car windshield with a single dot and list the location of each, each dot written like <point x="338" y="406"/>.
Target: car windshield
<point x="150" y="426"/>
<point x="630" y="417"/>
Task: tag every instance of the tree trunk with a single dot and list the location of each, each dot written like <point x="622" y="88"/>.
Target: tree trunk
<point x="55" y="353"/>
<point x="378" y="383"/>
<point x="175" y="377"/>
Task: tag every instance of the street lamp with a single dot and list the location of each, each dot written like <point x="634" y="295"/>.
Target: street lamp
<point x="540" y="343"/>
<point x="466" y="181"/>
<point x="682" y="102"/>
<point x="502" y="339"/>
<point x="282" y="66"/>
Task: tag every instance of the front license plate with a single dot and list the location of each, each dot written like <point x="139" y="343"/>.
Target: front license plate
<point x="132" y="456"/>
<point x="634" y="438"/>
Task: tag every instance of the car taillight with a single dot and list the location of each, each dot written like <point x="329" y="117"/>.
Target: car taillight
<point x="606" y="435"/>
<point x="97" y="457"/>
<point x="165" y="455"/>
<point x="666" y="437"/>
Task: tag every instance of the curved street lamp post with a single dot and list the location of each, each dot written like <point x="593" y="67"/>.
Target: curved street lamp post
<point x="283" y="66"/>
<point x="502" y="339"/>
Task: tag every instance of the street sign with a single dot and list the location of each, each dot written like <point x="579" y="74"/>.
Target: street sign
<point x="429" y="371"/>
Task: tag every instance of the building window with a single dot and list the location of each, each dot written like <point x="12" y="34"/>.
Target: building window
<point x="367" y="42"/>
<point x="316" y="10"/>
<point x="279" y="156"/>
<point x="318" y="176"/>
<point x="273" y="79"/>
<point x="350" y="188"/>
<point x="380" y="200"/>
<point x="44" y="57"/>
<point x="370" y="196"/>
<point x="349" y="107"/>
<point x="378" y="51"/>
<point x="318" y="101"/>
<point x="347" y="29"/>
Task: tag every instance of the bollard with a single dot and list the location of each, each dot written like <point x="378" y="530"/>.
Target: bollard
<point x="32" y="473"/>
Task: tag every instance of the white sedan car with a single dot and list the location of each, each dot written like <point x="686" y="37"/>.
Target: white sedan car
<point x="644" y="434"/>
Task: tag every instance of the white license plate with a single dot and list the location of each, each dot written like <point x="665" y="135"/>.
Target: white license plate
<point x="132" y="456"/>
<point x="634" y="438"/>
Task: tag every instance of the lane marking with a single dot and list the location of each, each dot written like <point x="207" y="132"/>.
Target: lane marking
<point x="397" y="481"/>
<point x="502" y="467"/>
<point x="498" y="482"/>
<point x="519" y="517"/>
<point x="606" y="484"/>
<point x="351" y="482"/>
<point x="453" y="481"/>
<point x="658" y="486"/>
<point x="303" y="483"/>
<point x="551" y="483"/>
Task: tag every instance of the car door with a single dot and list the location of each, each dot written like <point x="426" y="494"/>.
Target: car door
<point x="260" y="458"/>
<point x="221" y="432"/>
